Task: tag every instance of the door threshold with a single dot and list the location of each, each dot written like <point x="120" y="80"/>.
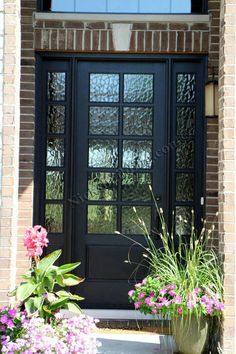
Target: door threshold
<point x="119" y="315"/>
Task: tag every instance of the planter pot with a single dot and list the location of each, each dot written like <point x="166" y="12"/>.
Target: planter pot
<point x="190" y="334"/>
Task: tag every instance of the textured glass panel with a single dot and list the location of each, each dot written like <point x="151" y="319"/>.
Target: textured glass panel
<point x="55" y="152"/>
<point x="104" y="88"/>
<point x="183" y="220"/>
<point x="185" y="154"/>
<point x="184" y="186"/>
<point x="186" y="88"/>
<point x="101" y="219"/>
<point x="138" y="88"/>
<point x="137" y="154"/>
<point x="54" y="217"/>
<point x="185" y="121"/>
<point x="54" y="185"/>
<point x="137" y="121"/>
<point x="103" y="120"/>
<point x="102" y="186"/>
<point x="130" y="219"/>
<point x="56" y="119"/>
<point x="103" y="153"/>
<point x="56" y="86"/>
<point x="135" y="186"/>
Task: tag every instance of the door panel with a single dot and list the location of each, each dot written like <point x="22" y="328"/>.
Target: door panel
<point x="120" y="123"/>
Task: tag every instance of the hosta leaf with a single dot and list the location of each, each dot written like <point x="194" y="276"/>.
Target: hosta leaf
<point x="48" y="261"/>
<point x="73" y="307"/>
<point x="24" y="290"/>
<point x="65" y="268"/>
<point x="58" y="303"/>
<point x="59" y="280"/>
<point x="33" y="304"/>
<point x="62" y="293"/>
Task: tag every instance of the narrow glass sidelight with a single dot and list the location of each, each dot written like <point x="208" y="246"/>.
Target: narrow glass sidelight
<point x="56" y="119"/>
<point x="56" y="86"/>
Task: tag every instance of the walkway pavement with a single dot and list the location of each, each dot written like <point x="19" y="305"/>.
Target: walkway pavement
<point x="127" y="342"/>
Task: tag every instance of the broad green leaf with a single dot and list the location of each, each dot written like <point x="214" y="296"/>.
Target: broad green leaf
<point x="62" y="293"/>
<point x="59" y="280"/>
<point x="48" y="261"/>
<point x="24" y="290"/>
<point x="65" y="268"/>
<point x="51" y="297"/>
<point x="73" y="307"/>
<point x="12" y="293"/>
<point x="33" y="304"/>
<point x="71" y="280"/>
<point x="58" y="303"/>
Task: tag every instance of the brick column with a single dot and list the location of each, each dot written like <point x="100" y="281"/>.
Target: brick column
<point x="227" y="172"/>
<point x="10" y="73"/>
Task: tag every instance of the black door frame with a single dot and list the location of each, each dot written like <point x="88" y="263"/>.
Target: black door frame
<point x="40" y="130"/>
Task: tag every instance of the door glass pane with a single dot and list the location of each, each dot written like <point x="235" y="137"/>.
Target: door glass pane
<point x="103" y="120"/>
<point x="186" y="88"/>
<point x="184" y="187"/>
<point x="54" y="185"/>
<point x="185" y="121"/>
<point x="138" y="88"/>
<point x="54" y="217"/>
<point x="137" y="154"/>
<point x="56" y="119"/>
<point x="56" y="86"/>
<point x="137" y="121"/>
<point x="55" y="152"/>
<point x="104" y="88"/>
<point x="135" y="186"/>
<point x="129" y="219"/>
<point x="185" y="154"/>
<point x="183" y="220"/>
<point x="103" y="153"/>
<point x="101" y="219"/>
<point x="102" y="186"/>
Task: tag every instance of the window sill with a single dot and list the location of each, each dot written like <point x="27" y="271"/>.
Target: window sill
<point x="124" y="18"/>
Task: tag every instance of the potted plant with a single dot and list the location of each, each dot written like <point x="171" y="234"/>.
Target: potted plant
<point x="185" y="282"/>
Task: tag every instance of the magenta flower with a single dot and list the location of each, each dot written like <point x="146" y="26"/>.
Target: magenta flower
<point x="163" y="291"/>
<point x="10" y="324"/>
<point x="12" y="313"/>
<point x="35" y="239"/>
<point x="172" y="293"/>
<point x="141" y="294"/>
<point x="152" y="294"/>
<point x="3" y="319"/>
<point x="179" y="310"/>
<point x="172" y="287"/>
<point x="131" y="292"/>
<point x="149" y="301"/>
<point x="154" y="310"/>
<point x="137" y="304"/>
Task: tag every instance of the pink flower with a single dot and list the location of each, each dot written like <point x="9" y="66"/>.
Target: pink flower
<point x="137" y="304"/>
<point x="209" y="309"/>
<point x="197" y="290"/>
<point x="163" y="291"/>
<point x="154" y="310"/>
<point x="160" y="305"/>
<point x="138" y="285"/>
<point x="190" y="305"/>
<point x="220" y="306"/>
<point x="10" y="324"/>
<point x="12" y="313"/>
<point x="149" y="301"/>
<point x="35" y="239"/>
<point x="3" y="319"/>
<point x="172" y="287"/>
<point x="141" y="294"/>
<point x="179" y="310"/>
<point x="152" y="294"/>
<point x="172" y="293"/>
<point x="131" y="292"/>
<point x="177" y="299"/>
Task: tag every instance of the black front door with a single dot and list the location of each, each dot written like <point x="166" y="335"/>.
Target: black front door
<point x="120" y="124"/>
<point x="105" y="131"/>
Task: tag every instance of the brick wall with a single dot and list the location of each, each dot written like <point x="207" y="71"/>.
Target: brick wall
<point x="10" y="73"/>
<point x="227" y="167"/>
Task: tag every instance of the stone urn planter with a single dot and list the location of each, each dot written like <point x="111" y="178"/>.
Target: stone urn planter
<point x="190" y="333"/>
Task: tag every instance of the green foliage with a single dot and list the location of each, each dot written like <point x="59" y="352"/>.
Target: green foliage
<point x="37" y="293"/>
<point x="188" y="265"/>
